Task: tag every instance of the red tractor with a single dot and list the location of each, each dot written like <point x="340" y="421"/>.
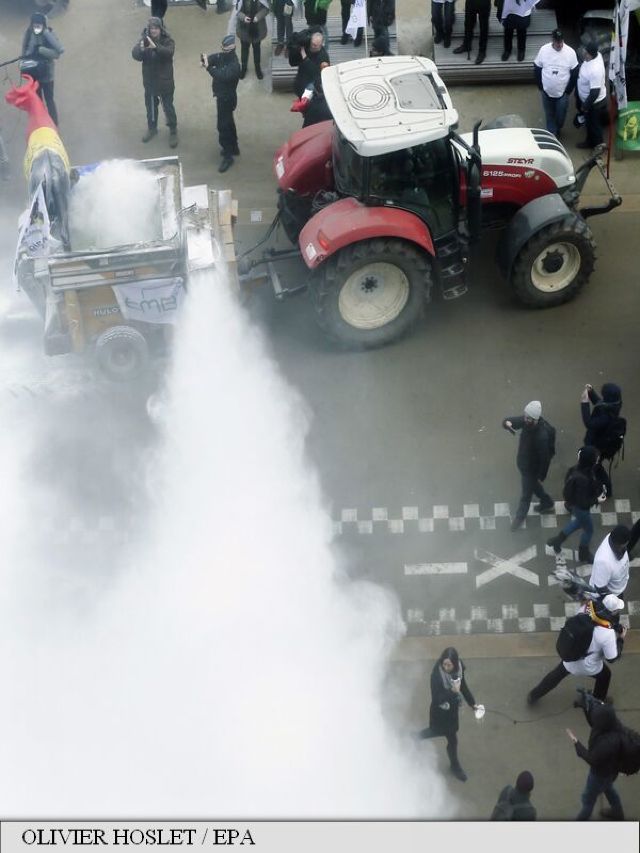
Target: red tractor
<point x="387" y="199"/>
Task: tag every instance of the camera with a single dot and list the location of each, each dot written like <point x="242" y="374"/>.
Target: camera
<point x="296" y="43"/>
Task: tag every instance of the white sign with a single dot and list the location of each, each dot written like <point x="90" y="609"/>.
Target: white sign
<point x="153" y="301"/>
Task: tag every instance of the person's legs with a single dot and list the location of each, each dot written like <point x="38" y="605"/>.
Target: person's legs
<point x="546" y="501"/>
<point x="151" y="105"/>
<point x="507" y="43"/>
<point x="593" y="126"/>
<point x="616" y="812"/>
<point x="551" y="680"/>
<point x="594" y="786"/>
<point x="601" y="686"/>
<point x="345" y="14"/>
<point x="244" y="56"/>
<point x="169" y="110"/>
<point x="528" y="487"/>
<point x="521" y="38"/>
<point x="426" y="734"/>
<point x="256" y="60"/>
<point x="280" y="24"/>
<point x="583" y="517"/>
<point x="437" y="19"/>
<point x="46" y="91"/>
<point x="227" y="135"/>
<point x="549" y="107"/>
<point x="484" y="31"/>
<point x="449" y="18"/>
<point x="561" y="107"/>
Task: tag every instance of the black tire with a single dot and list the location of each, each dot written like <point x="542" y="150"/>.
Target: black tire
<point x="363" y="329"/>
<point x="122" y="353"/>
<point x="535" y="276"/>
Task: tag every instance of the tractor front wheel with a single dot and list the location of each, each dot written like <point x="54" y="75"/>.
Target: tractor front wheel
<point x="554" y="264"/>
<point x="372" y="292"/>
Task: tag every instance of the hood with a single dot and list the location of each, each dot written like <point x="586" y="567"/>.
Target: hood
<point x="611" y="393"/>
<point x="587" y="457"/>
<point x="603" y="718"/>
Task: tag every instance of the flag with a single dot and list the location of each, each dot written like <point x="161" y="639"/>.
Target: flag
<point x="618" y="55"/>
<point x="358" y="18"/>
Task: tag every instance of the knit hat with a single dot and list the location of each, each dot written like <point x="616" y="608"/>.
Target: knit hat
<point x="39" y="18"/>
<point x="524" y="782"/>
<point x="229" y="43"/>
<point x="533" y="410"/>
<point x="587" y="457"/>
<point x="613" y="603"/>
<point x="154" y="22"/>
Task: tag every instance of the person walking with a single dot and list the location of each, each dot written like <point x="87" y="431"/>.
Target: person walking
<point x="602" y="755"/>
<point x="448" y="688"/>
<point x="610" y="573"/>
<point x="155" y="51"/>
<point x="582" y="490"/>
<point x="605" y="647"/>
<point x="480" y="9"/>
<point x="592" y="95"/>
<point x="606" y="428"/>
<point x="443" y="15"/>
<point x="224" y="69"/>
<point x="251" y="29"/>
<point x="40" y="48"/>
<point x="556" y="72"/>
<point x="514" y="802"/>
<point x="515" y="15"/>
<point x="283" y="13"/>
<point x="536" y="448"/>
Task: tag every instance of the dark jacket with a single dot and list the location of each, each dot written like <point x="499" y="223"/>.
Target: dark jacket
<point x="604" y="742"/>
<point x="382" y="13"/>
<point x="477" y="6"/>
<point x="257" y="29"/>
<point x="309" y="70"/>
<point x="522" y="807"/>
<point x="445" y="719"/>
<point x="46" y="48"/>
<point x="581" y="486"/>
<point x="157" y="63"/>
<point x="604" y="409"/>
<point x="224" y="69"/>
<point x="534" y="448"/>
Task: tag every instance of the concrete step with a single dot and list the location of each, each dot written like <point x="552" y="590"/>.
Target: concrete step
<point x="456" y="68"/>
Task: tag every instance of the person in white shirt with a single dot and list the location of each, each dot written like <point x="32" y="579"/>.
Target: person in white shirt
<point x="556" y="70"/>
<point x="610" y="572"/>
<point x="442" y="17"/>
<point x="592" y="95"/>
<point x="606" y="646"/>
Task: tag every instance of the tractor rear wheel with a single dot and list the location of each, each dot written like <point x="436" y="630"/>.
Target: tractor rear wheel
<point x="554" y="264"/>
<point x="122" y="353"/>
<point x="372" y="292"/>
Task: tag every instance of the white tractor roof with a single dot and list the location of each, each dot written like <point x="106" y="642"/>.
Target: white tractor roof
<point x="387" y="103"/>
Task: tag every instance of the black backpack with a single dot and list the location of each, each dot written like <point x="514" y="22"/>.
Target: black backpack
<point x="575" y="637"/>
<point x="568" y="491"/>
<point x="551" y="436"/>
<point x="610" y="440"/>
<point x="629" y="757"/>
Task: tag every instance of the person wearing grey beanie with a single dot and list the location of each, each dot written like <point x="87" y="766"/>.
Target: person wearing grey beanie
<point x="536" y="448"/>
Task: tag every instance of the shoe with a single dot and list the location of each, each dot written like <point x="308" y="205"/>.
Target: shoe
<point x="278" y="50"/>
<point x="505" y="55"/>
<point x="345" y="39"/>
<point x="520" y="55"/>
<point x="150" y="134"/>
<point x="556" y="542"/>
<point x="173" y="138"/>
<point x="357" y="41"/>
<point x="446" y="42"/>
<point x="462" y="48"/>
<point x="609" y="814"/>
<point x="531" y="699"/>
<point x="236" y="152"/>
<point x="584" y="145"/>
<point x="516" y="523"/>
<point x="543" y="508"/>
<point x="437" y="39"/>
<point x="584" y="554"/>
<point x="227" y="163"/>
<point x="459" y="773"/>
<point x="243" y="73"/>
<point x="259" y="73"/>
<point x="480" y="58"/>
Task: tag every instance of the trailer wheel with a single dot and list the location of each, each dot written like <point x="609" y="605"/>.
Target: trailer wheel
<point x="554" y="264"/>
<point x="122" y="353"/>
<point x="372" y="292"/>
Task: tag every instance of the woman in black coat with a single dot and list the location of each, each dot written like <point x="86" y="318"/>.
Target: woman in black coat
<point x="448" y="687"/>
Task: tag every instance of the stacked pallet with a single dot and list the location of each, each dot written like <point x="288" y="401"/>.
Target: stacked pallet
<point x="283" y="74"/>
<point x="460" y="68"/>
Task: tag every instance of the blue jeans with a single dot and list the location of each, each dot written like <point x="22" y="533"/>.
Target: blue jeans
<point x="555" y="112"/>
<point x="580" y="518"/>
<point x="595" y="786"/>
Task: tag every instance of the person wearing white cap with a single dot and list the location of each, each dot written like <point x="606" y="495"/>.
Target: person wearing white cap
<point x="605" y="647"/>
<point x="536" y="448"/>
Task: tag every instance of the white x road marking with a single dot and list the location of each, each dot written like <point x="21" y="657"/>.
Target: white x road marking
<point x="511" y="566"/>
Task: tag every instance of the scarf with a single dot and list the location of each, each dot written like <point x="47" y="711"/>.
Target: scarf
<point x="451" y="678"/>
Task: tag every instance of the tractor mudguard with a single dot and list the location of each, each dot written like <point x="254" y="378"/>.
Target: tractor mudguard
<point x="526" y="222"/>
<point x="348" y="221"/>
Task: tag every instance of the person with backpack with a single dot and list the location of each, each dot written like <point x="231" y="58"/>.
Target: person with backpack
<point x="582" y="490"/>
<point x="610" y="573"/>
<point x="448" y="688"/>
<point x="514" y="803"/>
<point x="587" y="642"/>
<point x="602" y="755"/>
<point x="536" y="448"/>
<point x="606" y="428"/>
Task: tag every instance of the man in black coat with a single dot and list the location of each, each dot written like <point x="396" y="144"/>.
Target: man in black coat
<point x="310" y="62"/>
<point x="602" y="756"/>
<point x="473" y="9"/>
<point x="535" y="451"/>
<point x="155" y="51"/>
<point x="224" y="69"/>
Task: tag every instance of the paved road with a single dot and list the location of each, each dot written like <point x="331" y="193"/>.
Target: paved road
<point x="419" y="476"/>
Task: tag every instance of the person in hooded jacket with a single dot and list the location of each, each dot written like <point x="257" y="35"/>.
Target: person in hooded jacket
<point x="448" y="688"/>
<point x="514" y="802"/>
<point x="251" y="29"/>
<point x="155" y="50"/>
<point x="582" y="490"/>
<point x="598" y="412"/>
<point x="601" y="754"/>
<point x="41" y="45"/>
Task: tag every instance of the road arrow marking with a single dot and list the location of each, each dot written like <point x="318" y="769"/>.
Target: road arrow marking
<point x="510" y="566"/>
<point x="436" y="569"/>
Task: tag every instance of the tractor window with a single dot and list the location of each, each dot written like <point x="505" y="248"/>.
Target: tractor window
<point x="347" y="166"/>
<point x="418" y="177"/>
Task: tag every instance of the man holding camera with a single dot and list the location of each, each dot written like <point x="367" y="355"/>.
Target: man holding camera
<point x="309" y="55"/>
<point x="224" y="69"/>
<point x="155" y="51"/>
